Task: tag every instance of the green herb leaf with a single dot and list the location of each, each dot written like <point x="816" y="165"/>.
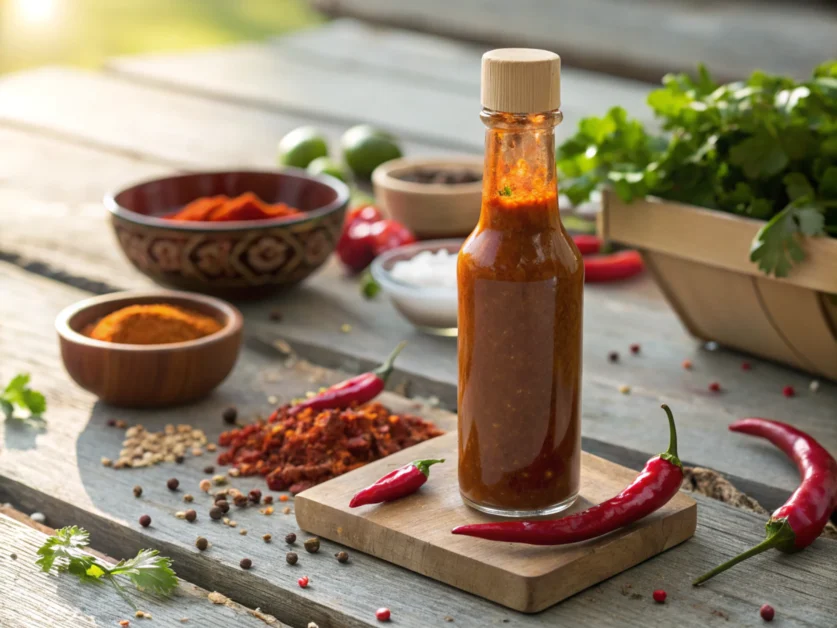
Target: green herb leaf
<point x="506" y="191"/>
<point x="369" y="288"/>
<point x="776" y="245"/>
<point x="18" y="394"/>
<point x="66" y="549"/>
<point x="148" y="571"/>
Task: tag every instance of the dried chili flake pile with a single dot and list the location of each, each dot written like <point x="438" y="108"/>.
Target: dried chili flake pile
<point x="296" y="452"/>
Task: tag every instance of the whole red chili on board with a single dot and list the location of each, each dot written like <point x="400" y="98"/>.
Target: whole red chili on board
<point x="658" y="482"/>
<point x="797" y="523"/>
<point x="355" y="390"/>
<point x="399" y="483"/>
<point x="613" y="267"/>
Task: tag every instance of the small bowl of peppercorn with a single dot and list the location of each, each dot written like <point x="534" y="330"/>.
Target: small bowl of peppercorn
<point x="433" y="197"/>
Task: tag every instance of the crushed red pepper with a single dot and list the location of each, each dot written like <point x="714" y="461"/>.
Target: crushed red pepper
<point x="221" y="208"/>
<point x="297" y="452"/>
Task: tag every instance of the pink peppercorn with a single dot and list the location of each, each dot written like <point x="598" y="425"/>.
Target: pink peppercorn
<point x="303" y="582"/>
<point x="767" y="612"/>
<point x="660" y="596"/>
<point x="788" y="391"/>
<point x="745" y="366"/>
<point x="634" y="349"/>
<point x="382" y="614"/>
<point x="715" y="387"/>
<point x="687" y="364"/>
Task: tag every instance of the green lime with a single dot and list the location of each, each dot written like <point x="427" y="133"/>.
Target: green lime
<point x="302" y="146"/>
<point x="326" y="165"/>
<point x="365" y="148"/>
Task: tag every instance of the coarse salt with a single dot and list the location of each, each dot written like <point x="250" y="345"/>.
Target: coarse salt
<point x="431" y="269"/>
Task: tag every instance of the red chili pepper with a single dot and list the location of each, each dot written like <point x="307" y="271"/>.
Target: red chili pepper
<point x="797" y="523"/>
<point x="587" y="244"/>
<point x="612" y="267"/>
<point x="355" y="390"/>
<point x="355" y="248"/>
<point x="388" y="235"/>
<point x="399" y="483"/>
<point x="653" y="488"/>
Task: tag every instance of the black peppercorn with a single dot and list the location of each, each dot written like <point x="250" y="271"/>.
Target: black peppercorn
<point x="191" y="515"/>
<point x="201" y="543"/>
<point x="173" y="483"/>
<point x="312" y="545"/>
<point x="137" y="490"/>
<point x="290" y="538"/>
<point x="179" y="459"/>
<point x="342" y="557"/>
<point x="255" y="496"/>
<point x="223" y="505"/>
<point x="613" y="356"/>
<point x="145" y="521"/>
<point x="209" y="469"/>
<point x="291" y="557"/>
<point x="246" y="563"/>
<point x="240" y="500"/>
<point x="215" y="513"/>
<point x="230" y="415"/>
<point x="268" y="499"/>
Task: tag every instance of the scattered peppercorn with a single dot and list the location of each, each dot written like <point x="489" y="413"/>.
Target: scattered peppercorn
<point x="275" y="316"/>
<point x="660" y="596"/>
<point x="111" y="422"/>
<point x="342" y="557"/>
<point x="613" y="356"/>
<point x="767" y="613"/>
<point x="179" y="459"/>
<point x="714" y="387"/>
<point x="312" y="545"/>
<point x="383" y="614"/>
<point x="255" y="496"/>
<point x="635" y="349"/>
<point x="687" y="364"/>
<point x="125" y="622"/>
<point x="240" y="500"/>
<point x="188" y="498"/>
<point x="173" y="483"/>
<point x="205" y="485"/>
<point x="209" y="469"/>
<point x="788" y="391"/>
<point x="215" y="513"/>
<point x="291" y="558"/>
<point x="303" y="582"/>
<point x="191" y="515"/>
<point x="286" y="510"/>
<point x="120" y="423"/>
<point x="230" y="415"/>
<point x="220" y="496"/>
<point x="224" y="505"/>
<point x="137" y="491"/>
<point x="290" y="538"/>
<point x="145" y="521"/>
<point x="246" y="563"/>
<point x="267" y="538"/>
<point x="283" y="498"/>
<point x="268" y="499"/>
<point x="201" y="543"/>
<point x="746" y="366"/>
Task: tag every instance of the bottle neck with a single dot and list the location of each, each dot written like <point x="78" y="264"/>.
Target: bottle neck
<point x="520" y="190"/>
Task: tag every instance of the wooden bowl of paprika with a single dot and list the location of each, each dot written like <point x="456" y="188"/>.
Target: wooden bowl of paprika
<point x="149" y="348"/>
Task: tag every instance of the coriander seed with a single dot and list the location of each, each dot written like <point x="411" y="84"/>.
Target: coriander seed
<point x="267" y="538"/>
<point x="188" y="498"/>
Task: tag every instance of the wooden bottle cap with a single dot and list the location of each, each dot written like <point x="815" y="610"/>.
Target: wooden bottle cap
<point x="521" y="80"/>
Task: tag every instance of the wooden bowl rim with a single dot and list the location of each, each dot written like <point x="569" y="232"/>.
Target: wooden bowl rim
<point x="124" y="213"/>
<point x="232" y="317"/>
<point x="383" y="176"/>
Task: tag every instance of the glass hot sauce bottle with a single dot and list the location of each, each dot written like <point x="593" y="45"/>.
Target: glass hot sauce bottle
<point x="520" y="280"/>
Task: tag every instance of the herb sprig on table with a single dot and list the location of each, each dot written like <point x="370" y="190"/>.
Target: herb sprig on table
<point x="65" y="552"/>
<point x="764" y="148"/>
<point x="17" y="394"/>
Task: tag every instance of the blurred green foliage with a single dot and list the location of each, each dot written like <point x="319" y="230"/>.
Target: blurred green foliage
<point x="87" y="32"/>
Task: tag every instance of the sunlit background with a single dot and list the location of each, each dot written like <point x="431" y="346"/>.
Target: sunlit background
<point x="87" y="32"/>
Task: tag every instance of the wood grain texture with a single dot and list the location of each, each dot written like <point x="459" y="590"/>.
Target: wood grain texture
<point x="34" y="598"/>
<point x="622" y="428"/>
<point x="415" y="532"/>
<point x="732" y="38"/>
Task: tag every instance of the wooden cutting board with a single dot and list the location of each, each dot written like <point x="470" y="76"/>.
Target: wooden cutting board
<point x="414" y="532"/>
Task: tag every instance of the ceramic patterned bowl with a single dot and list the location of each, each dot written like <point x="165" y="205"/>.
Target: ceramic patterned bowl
<point x="237" y="259"/>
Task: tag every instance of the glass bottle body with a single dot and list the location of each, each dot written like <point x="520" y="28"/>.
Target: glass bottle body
<point x="520" y="279"/>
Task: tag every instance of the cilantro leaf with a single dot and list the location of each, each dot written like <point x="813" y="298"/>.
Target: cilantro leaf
<point x="65" y="551"/>
<point x="18" y="394"/>
<point x="776" y="245"/>
<point x="148" y="571"/>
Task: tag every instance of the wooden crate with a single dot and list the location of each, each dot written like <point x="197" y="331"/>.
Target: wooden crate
<point x="700" y="260"/>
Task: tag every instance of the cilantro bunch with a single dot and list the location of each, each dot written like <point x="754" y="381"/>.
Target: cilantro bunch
<point x="66" y="553"/>
<point x="17" y="394"/>
<point x="764" y="148"/>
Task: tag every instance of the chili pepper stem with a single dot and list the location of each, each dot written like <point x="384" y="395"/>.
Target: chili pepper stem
<point x="385" y="369"/>
<point x="779" y="534"/>
<point x="671" y="453"/>
<point x="424" y="465"/>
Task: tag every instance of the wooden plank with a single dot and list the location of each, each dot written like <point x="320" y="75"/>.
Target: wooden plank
<point x="33" y="598"/>
<point x="620" y="428"/>
<point x="521" y="577"/>
<point x="731" y="38"/>
<point x="58" y="472"/>
<point x="424" y="89"/>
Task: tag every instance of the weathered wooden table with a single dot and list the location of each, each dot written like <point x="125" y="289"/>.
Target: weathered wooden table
<point x="68" y="135"/>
